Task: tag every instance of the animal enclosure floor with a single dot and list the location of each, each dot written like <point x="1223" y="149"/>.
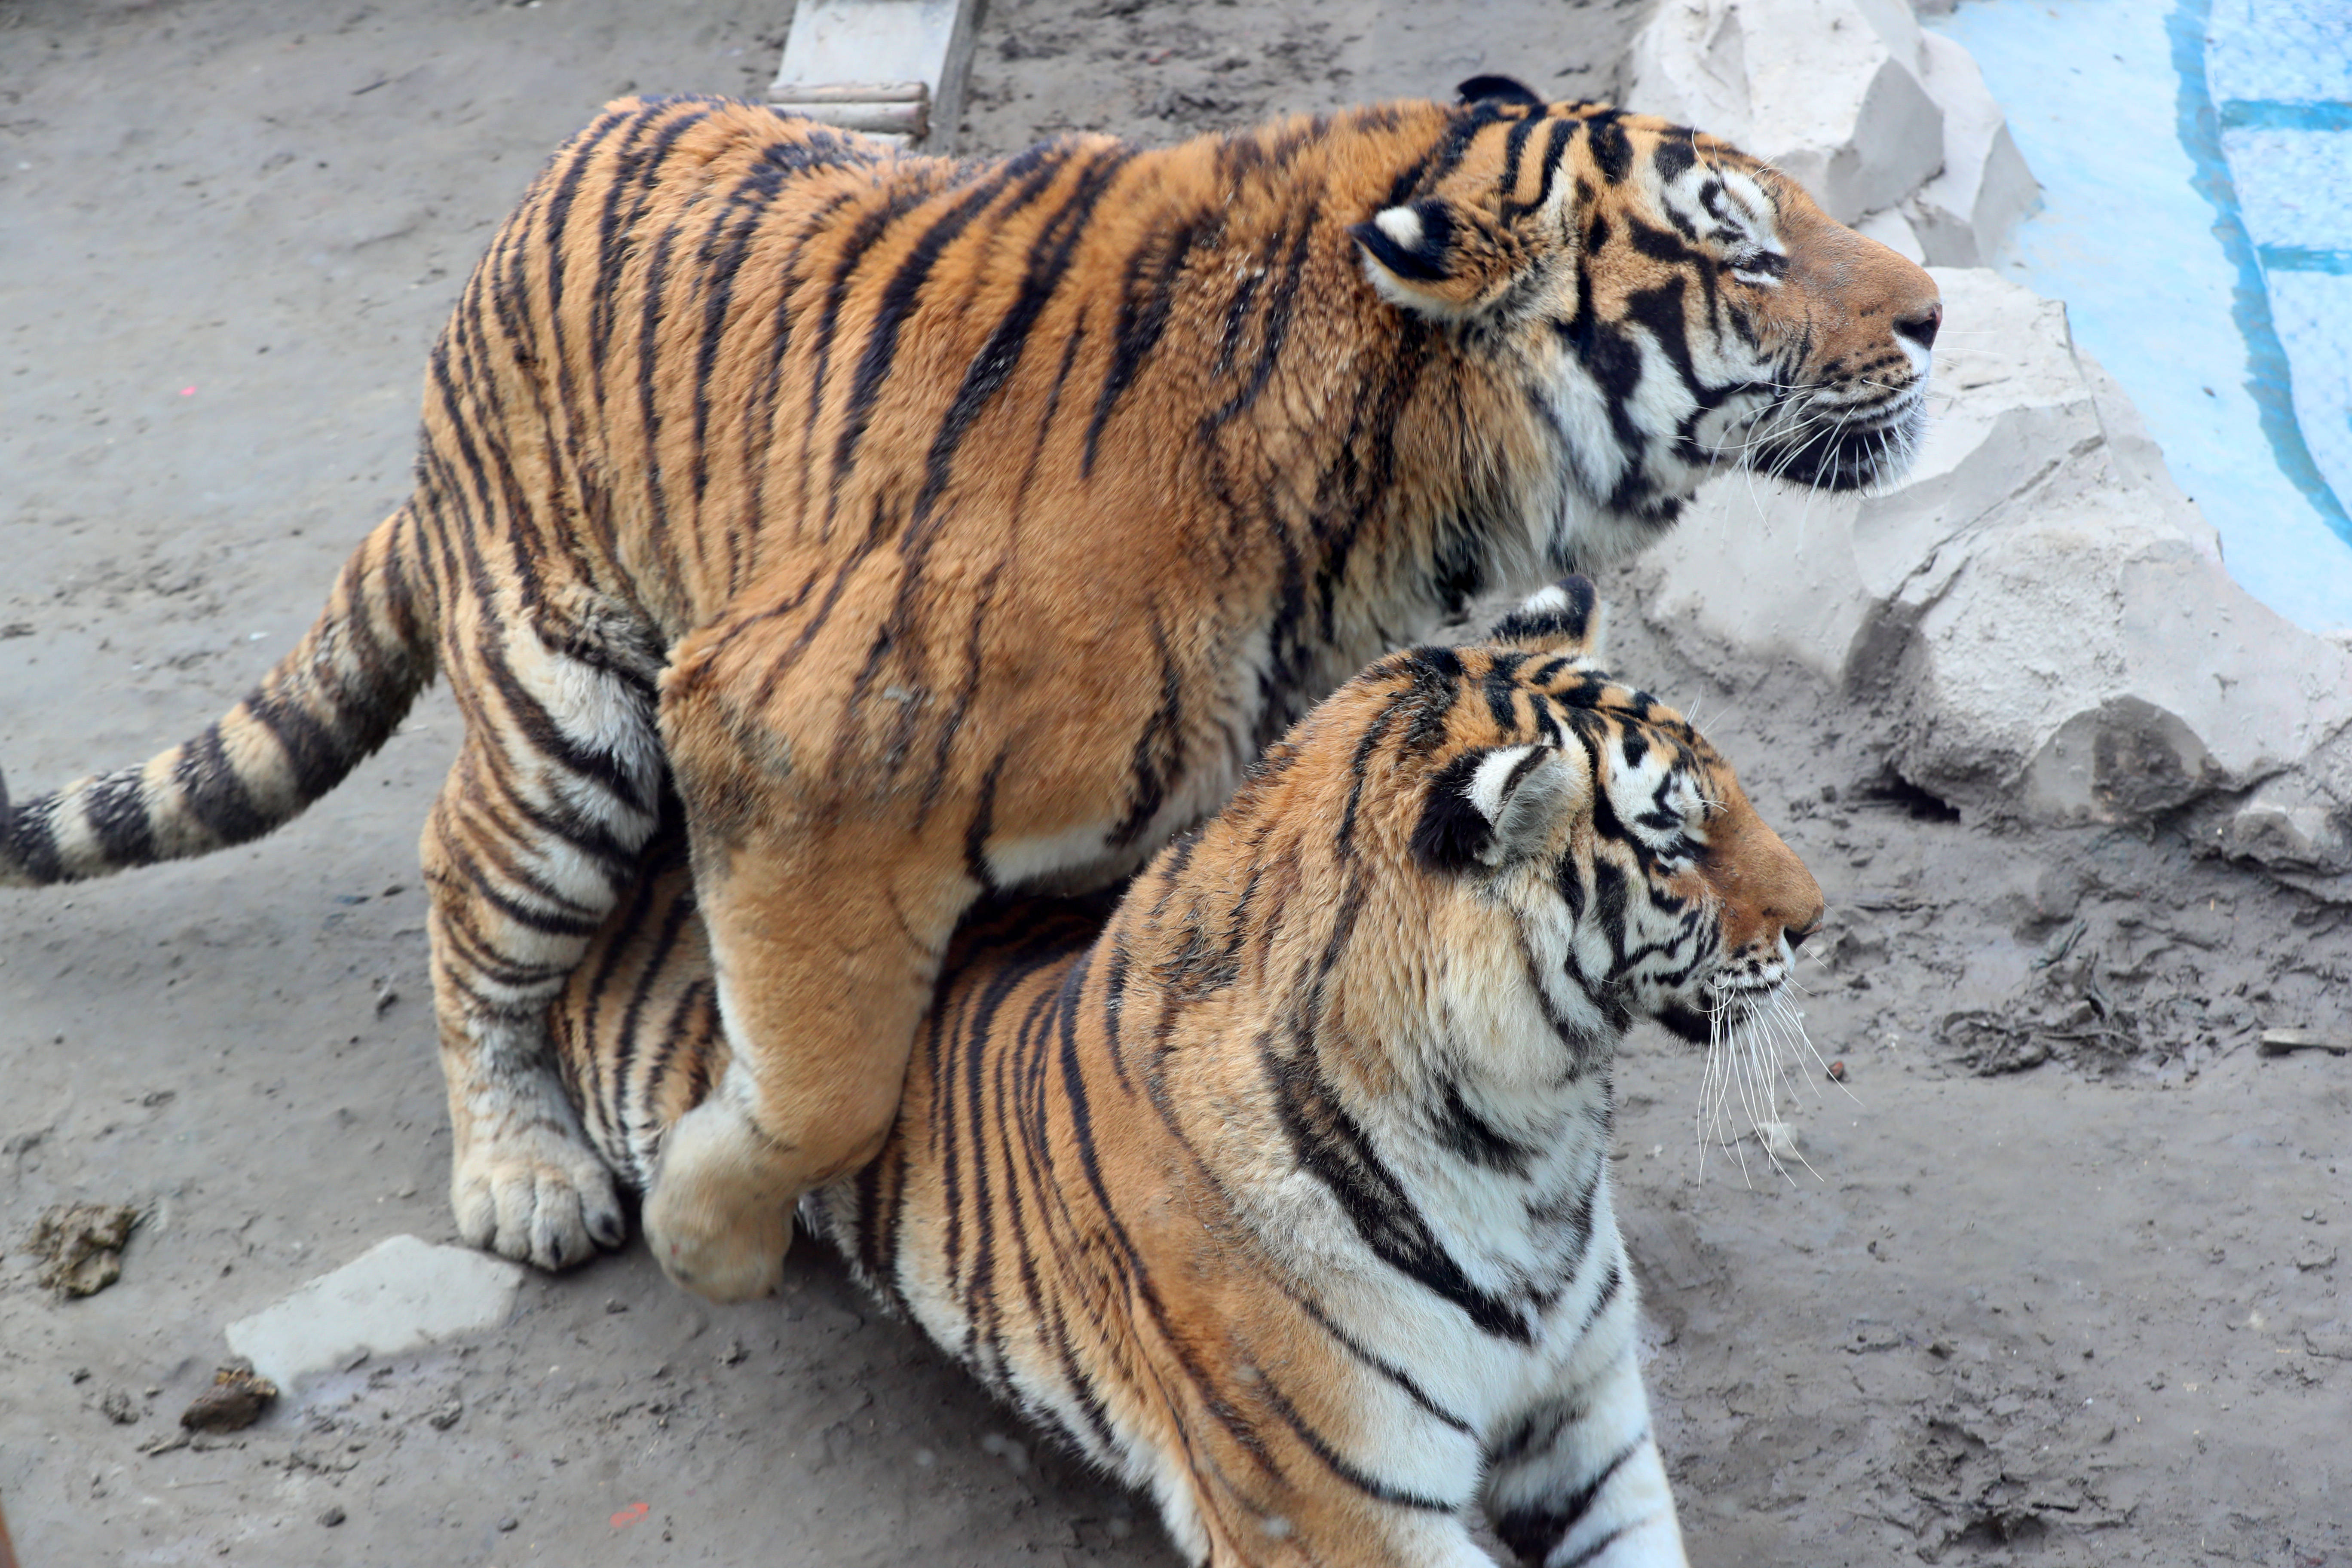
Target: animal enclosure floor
<point x="2088" y="1312"/>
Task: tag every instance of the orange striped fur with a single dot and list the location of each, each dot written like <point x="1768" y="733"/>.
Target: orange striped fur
<point x="1279" y="1188"/>
<point x="940" y="527"/>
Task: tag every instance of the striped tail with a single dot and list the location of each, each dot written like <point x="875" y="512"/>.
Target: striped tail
<point x="330" y="702"/>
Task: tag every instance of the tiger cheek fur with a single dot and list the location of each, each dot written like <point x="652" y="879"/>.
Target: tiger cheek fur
<point x="1279" y="1185"/>
<point x="954" y="526"/>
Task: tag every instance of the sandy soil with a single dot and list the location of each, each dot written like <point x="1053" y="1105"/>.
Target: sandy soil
<point x="2089" y="1311"/>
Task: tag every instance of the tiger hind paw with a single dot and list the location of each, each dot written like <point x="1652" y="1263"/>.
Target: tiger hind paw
<point x="532" y="1189"/>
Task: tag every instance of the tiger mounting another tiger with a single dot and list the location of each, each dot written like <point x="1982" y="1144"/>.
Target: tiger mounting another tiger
<point x="940" y="527"/>
<point x="1281" y="1189"/>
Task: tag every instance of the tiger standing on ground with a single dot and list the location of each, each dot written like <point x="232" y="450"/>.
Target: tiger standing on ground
<point x="942" y="527"/>
<point x="1281" y="1189"/>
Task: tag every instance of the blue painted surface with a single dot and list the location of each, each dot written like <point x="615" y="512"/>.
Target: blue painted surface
<point x="2196" y="164"/>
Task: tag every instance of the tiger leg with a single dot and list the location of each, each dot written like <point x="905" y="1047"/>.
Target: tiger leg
<point x="827" y="936"/>
<point x="535" y="831"/>
<point x="1217" y="1529"/>
<point x="1578" y="1479"/>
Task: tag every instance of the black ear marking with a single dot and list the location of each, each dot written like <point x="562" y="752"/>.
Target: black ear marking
<point x="1568" y="609"/>
<point x="1676" y="156"/>
<point x="1453" y="834"/>
<point x="1489" y="806"/>
<point x="1410" y="241"/>
<point x="1499" y="90"/>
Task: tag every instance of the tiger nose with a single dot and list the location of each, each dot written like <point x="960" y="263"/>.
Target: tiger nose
<point x="1921" y="325"/>
<point x="1795" y="935"/>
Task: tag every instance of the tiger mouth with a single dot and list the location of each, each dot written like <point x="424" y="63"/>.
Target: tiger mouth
<point x="1731" y="999"/>
<point x="1842" y="456"/>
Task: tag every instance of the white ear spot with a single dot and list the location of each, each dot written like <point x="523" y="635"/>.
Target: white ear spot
<point x="1551" y="596"/>
<point x="1401" y="224"/>
<point x="1492" y="777"/>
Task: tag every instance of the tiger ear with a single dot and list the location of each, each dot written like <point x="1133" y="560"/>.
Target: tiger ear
<point x="1499" y="90"/>
<point x="1435" y="257"/>
<point x="1564" y="618"/>
<point x="1490" y="807"/>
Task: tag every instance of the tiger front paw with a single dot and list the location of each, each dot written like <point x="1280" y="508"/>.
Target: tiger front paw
<point x="716" y="1219"/>
<point x="526" y="1185"/>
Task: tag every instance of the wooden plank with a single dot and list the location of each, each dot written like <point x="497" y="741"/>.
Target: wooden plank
<point x="910" y="120"/>
<point x="782" y="91"/>
<point x="851" y="63"/>
<point x="2281" y="1042"/>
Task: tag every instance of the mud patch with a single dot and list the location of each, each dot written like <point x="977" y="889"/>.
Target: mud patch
<point x="81" y="1246"/>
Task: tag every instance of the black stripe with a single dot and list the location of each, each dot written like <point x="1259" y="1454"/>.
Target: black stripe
<point x="1273" y="332"/>
<point x="657" y="961"/>
<point x="1532" y="1530"/>
<point x="1593" y="1551"/>
<point x="1035" y="171"/>
<point x="215" y="795"/>
<point x="870" y="228"/>
<point x="1612" y="151"/>
<point x="320" y="757"/>
<point x="1208" y="1386"/>
<point x="1474" y="1139"/>
<point x="639" y="168"/>
<point x="116" y="806"/>
<point x="1049" y="261"/>
<point x="1331" y="1147"/>
<point x="1360" y="772"/>
<point x="1147" y="296"/>
<point x="1338" y="1464"/>
<point x="1395" y="1373"/>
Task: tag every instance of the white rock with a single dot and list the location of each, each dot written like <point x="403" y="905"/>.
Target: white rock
<point x="1893" y="230"/>
<point x="2290" y="823"/>
<point x="1827" y="90"/>
<point x="399" y="1293"/>
<point x="1967" y="213"/>
<point x="2038" y="615"/>
<point x="1867" y="111"/>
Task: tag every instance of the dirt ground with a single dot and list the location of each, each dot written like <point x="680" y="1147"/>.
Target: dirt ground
<point x="2063" y="1284"/>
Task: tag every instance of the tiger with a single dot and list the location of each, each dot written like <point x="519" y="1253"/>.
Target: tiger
<point x="934" y="529"/>
<point x="1278" y="1186"/>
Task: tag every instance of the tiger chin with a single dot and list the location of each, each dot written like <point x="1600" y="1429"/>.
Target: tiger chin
<point x="1280" y="1186"/>
<point x="913" y="531"/>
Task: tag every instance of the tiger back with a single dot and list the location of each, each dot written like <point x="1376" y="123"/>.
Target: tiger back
<point x="1280" y="1186"/>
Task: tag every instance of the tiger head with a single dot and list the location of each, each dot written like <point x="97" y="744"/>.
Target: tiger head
<point x="1668" y="306"/>
<point x="1515" y="856"/>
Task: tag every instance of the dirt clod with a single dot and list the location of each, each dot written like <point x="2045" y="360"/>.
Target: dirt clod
<point x="81" y="1246"/>
<point x="234" y="1402"/>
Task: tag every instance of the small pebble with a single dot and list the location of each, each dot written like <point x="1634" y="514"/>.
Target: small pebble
<point x="507" y="1526"/>
<point x="1837" y="1072"/>
<point x="332" y="1517"/>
